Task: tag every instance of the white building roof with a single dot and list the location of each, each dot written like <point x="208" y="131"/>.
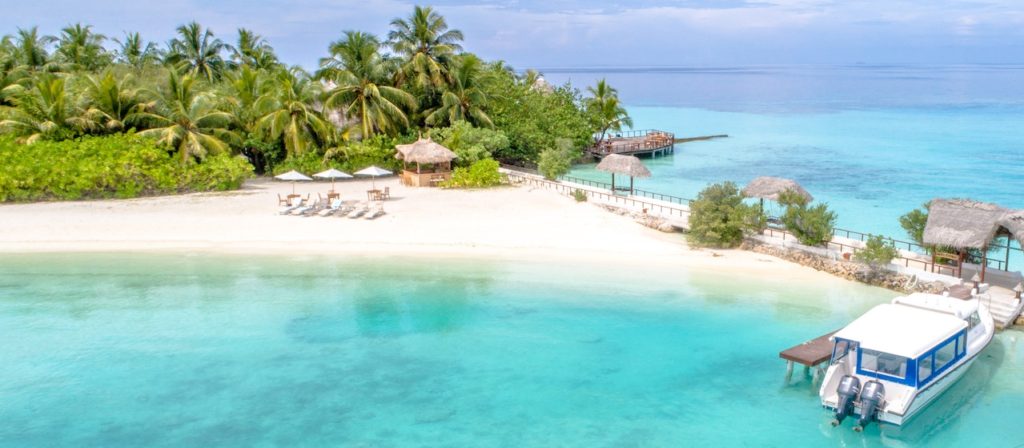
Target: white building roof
<point x="902" y="330"/>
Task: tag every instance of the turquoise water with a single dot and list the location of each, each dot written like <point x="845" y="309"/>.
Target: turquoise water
<point x="874" y="142"/>
<point x="166" y="350"/>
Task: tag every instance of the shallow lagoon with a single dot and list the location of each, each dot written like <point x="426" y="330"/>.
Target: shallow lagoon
<point x="190" y="350"/>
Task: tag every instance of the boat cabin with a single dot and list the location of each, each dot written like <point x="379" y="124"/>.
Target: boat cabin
<point x="911" y="341"/>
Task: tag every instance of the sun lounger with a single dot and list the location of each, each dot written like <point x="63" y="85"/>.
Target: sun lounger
<point x="296" y="204"/>
<point x="346" y="208"/>
<point x="360" y="210"/>
<point x="304" y="209"/>
<point x="377" y="212"/>
<point x="334" y="208"/>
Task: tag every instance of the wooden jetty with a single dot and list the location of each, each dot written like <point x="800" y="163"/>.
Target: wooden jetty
<point x="650" y="142"/>
<point x="811" y="354"/>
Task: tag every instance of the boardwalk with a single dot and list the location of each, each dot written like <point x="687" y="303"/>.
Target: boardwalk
<point x="647" y="142"/>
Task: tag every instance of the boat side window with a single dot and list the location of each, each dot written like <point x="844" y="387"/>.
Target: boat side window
<point x="884" y="363"/>
<point x="961" y="345"/>
<point x="945" y="354"/>
<point x="924" y="368"/>
<point x="841" y="349"/>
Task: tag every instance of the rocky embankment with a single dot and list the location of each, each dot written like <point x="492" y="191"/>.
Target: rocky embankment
<point x="847" y="269"/>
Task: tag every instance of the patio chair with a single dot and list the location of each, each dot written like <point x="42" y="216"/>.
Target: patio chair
<point x="386" y="194"/>
<point x="282" y="200"/>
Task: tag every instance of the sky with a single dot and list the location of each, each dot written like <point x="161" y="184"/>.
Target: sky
<point x="581" y="33"/>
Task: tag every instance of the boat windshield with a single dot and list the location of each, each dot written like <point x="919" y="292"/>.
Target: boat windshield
<point x="841" y="349"/>
<point x="874" y="361"/>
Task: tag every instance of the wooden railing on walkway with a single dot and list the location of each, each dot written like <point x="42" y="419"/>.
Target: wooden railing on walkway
<point x="662" y="209"/>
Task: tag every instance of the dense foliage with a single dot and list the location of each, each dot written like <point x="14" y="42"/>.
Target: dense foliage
<point x="877" y="252"/>
<point x="556" y="160"/>
<point x="914" y="222"/>
<point x="812" y="225"/>
<point x="121" y="166"/>
<point x="481" y="174"/>
<point x="720" y="218"/>
<point x="200" y="97"/>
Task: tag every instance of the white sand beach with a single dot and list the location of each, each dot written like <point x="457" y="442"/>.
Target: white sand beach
<point x="508" y="222"/>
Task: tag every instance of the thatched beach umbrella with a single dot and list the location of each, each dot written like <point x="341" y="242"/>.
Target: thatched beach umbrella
<point x="767" y="187"/>
<point x="425" y="151"/>
<point x="966" y="224"/>
<point x="626" y="165"/>
<point x="293" y="176"/>
<point x="333" y="174"/>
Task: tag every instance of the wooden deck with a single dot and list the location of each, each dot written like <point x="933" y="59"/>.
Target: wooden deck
<point x="647" y="142"/>
<point x="810" y="353"/>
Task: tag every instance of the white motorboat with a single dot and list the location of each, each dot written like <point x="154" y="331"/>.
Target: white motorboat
<point x="904" y="354"/>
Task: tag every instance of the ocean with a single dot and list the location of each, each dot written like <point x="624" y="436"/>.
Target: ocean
<point x="203" y="350"/>
<point x="874" y="142"/>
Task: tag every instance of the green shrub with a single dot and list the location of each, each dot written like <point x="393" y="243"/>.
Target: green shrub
<point x="914" y="222"/>
<point x="470" y="143"/>
<point x="720" y="218"/>
<point x="120" y="165"/>
<point x="579" y="195"/>
<point x="481" y="174"/>
<point x="877" y="252"/>
<point x="556" y="161"/>
<point x="812" y="225"/>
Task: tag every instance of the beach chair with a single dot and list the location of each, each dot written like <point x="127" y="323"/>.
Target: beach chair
<point x="282" y="200"/>
<point x="334" y="207"/>
<point x="304" y="209"/>
<point x="378" y="211"/>
<point x="296" y="204"/>
<point x="387" y="193"/>
<point x="346" y="208"/>
<point x="360" y="210"/>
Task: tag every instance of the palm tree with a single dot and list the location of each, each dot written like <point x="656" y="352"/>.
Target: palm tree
<point x="30" y="48"/>
<point x="187" y="121"/>
<point x="244" y="88"/>
<point x="135" y="52"/>
<point x="80" y="47"/>
<point x="463" y="100"/>
<point x="360" y="76"/>
<point x="112" y="100"/>
<point x="290" y="114"/>
<point x="253" y="50"/>
<point x="198" y="52"/>
<point x="12" y="76"/>
<point x="606" y="112"/>
<point x="45" y="111"/>
<point x="426" y="44"/>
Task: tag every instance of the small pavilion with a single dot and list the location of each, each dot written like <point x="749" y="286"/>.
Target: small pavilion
<point x="962" y="224"/>
<point x="625" y="165"/>
<point x="433" y="163"/>
<point x="767" y="187"/>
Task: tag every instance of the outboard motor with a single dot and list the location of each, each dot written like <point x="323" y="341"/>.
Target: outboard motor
<point x="847" y="391"/>
<point x="870" y="402"/>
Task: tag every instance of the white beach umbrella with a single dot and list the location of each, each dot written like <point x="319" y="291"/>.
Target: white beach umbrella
<point x="293" y="176"/>
<point x="373" y="171"/>
<point x="333" y="174"/>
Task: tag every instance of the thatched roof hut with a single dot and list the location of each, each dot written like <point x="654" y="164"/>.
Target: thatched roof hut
<point x="424" y="151"/>
<point x="767" y="187"/>
<point x="626" y="165"/>
<point x="967" y="224"/>
<point x="542" y="85"/>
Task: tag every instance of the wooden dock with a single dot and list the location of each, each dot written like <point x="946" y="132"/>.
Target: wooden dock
<point x="811" y="354"/>
<point x="636" y="143"/>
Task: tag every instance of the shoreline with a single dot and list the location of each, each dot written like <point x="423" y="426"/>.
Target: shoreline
<point x="517" y="224"/>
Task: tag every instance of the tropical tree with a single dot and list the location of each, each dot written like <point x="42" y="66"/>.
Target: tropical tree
<point x="81" y="48"/>
<point x="12" y="75"/>
<point x="253" y="50"/>
<point x="198" y="52"/>
<point x="243" y="89"/>
<point x="463" y="99"/>
<point x="187" y="121"/>
<point x="112" y="100"/>
<point x="360" y="76"/>
<point x="45" y="111"/>
<point x="427" y="46"/>
<point x="605" y="110"/>
<point x="291" y="115"/>
<point x="30" y="48"/>
<point x="135" y="52"/>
